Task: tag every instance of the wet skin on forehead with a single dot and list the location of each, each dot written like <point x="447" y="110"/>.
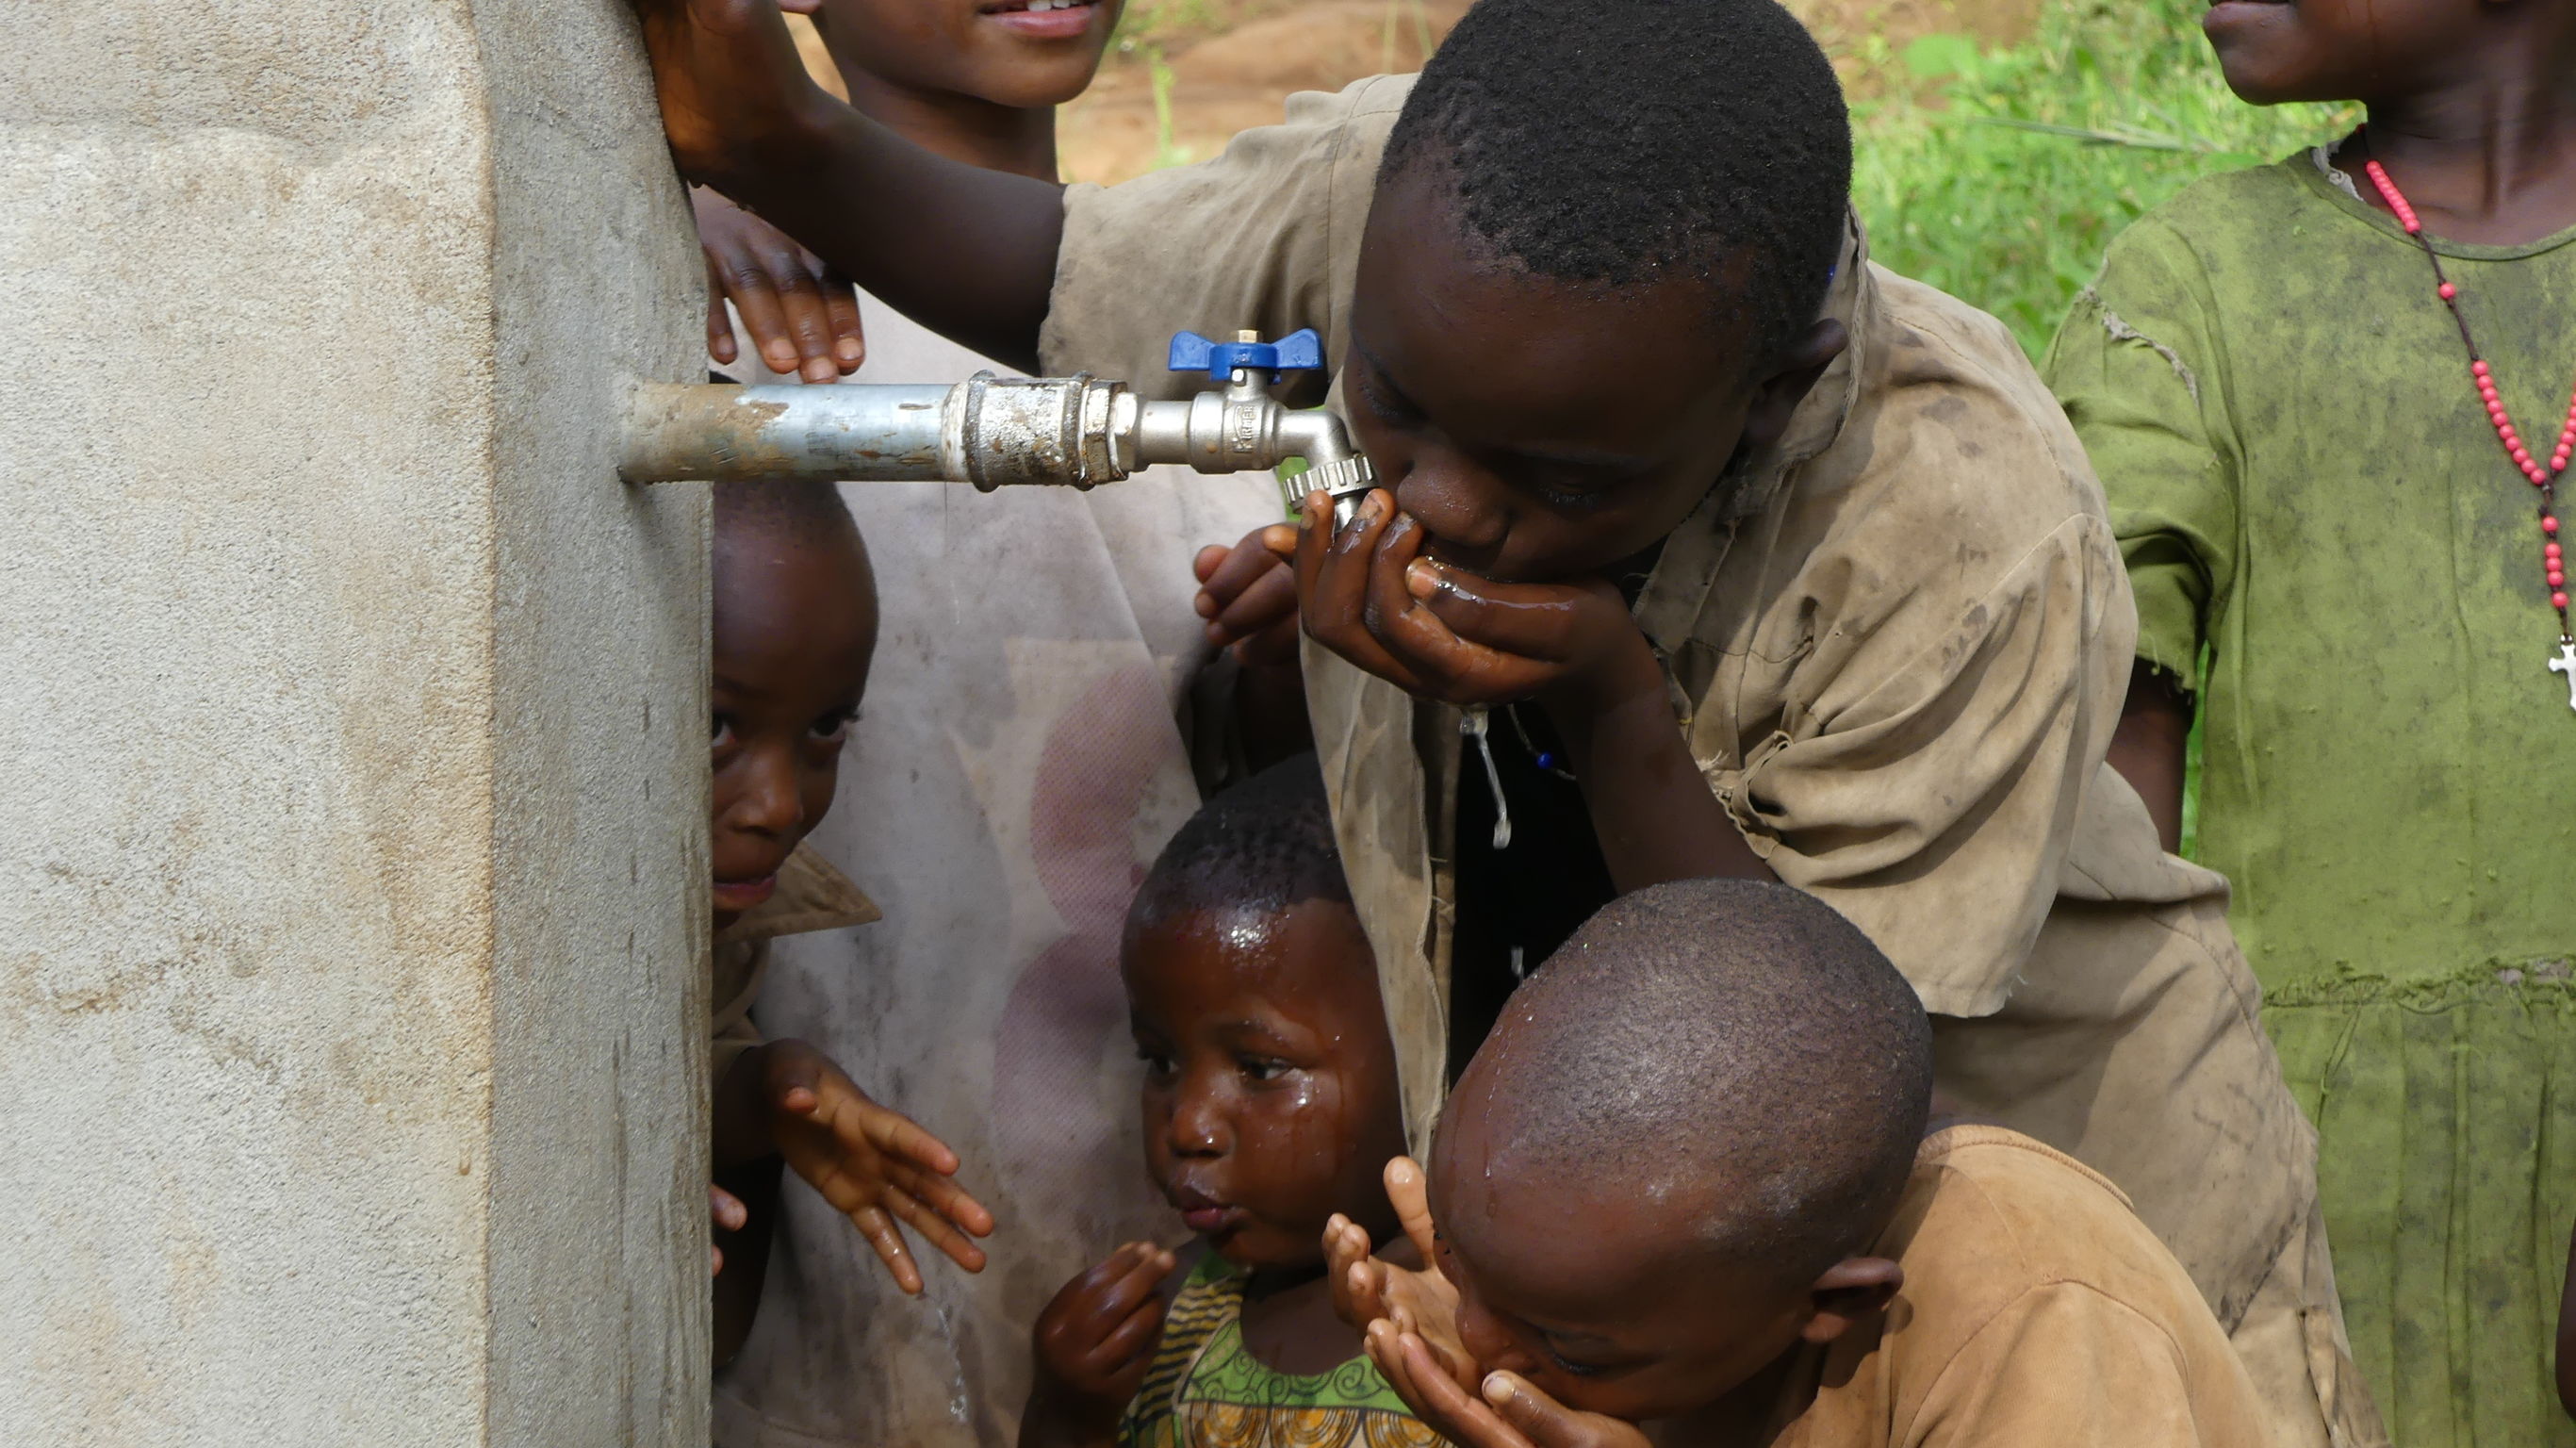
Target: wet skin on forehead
<point x="1599" y="1291"/>
<point x="1538" y="429"/>
<point x="795" y="626"/>
<point x="1270" y="1096"/>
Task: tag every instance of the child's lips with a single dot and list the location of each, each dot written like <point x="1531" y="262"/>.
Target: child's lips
<point x="740" y="895"/>
<point x="1210" y="1221"/>
<point x="1057" y="22"/>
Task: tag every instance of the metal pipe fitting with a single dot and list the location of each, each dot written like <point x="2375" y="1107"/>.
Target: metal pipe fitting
<point x="990" y="431"/>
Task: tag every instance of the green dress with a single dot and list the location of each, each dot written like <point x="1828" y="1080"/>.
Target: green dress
<point x="1205" y="1390"/>
<point x="2331" y="551"/>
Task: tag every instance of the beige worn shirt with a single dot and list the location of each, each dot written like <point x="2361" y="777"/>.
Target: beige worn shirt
<point x="1899" y="639"/>
<point x="811" y="895"/>
<point x="2037" y="1310"/>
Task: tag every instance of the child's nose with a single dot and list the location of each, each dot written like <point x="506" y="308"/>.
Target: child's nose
<point x="1454" y="499"/>
<point x="768" y="801"/>
<point x="1199" y="1128"/>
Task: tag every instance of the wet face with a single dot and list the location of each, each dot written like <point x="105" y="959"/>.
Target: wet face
<point x="795" y="627"/>
<point x="1270" y="1098"/>
<point x="1008" y="52"/>
<point x="1630" y="1316"/>
<point x="1541" y="430"/>
<point x="2332" y="50"/>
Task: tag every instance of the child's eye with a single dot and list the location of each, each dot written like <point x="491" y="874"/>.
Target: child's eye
<point x="1571" y="1368"/>
<point x="722" y="733"/>
<point x="1156" y="1063"/>
<point x="1382" y="400"/>
<point x="835" y="725"/>
<point x="1264" y="1068"/>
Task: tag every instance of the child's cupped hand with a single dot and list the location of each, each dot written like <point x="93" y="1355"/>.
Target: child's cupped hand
<point x="803" y="316"/>
<point x="1368" y="593"/>
<point x="875" y="1166"/>
<point x="1097" y="1336"/>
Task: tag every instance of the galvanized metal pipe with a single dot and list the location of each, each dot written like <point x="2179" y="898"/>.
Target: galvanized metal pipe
<point x="989" y="431"/>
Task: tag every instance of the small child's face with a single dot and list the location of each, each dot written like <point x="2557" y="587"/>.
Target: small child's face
<point x="795" y="627"/>
<point x="1598" y="1292"/>
<point x="2332" y="50"/>
<point x="1002" y="51"/>
<point x="1270" y="1093"/>
<point x="1540" y="430"/>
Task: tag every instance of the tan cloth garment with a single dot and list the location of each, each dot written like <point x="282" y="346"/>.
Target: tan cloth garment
<point x="1899" y="640"/>
<point x="1020" y="760"/>
<point x="811" y="895"/>
<point x="2037" y="1310"/>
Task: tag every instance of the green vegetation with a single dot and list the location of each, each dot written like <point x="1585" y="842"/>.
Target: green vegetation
<point x="2000" y="174"/>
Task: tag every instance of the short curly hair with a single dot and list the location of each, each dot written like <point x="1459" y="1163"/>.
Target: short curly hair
<point x="1620" y="141"/>
<point x="1264" y="845"/>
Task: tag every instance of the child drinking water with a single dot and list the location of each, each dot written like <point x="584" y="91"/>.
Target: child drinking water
<point x="795" y="628"/>
<point x="2327" y="399"/>
<point x="1269" y="1106"/>
<point x="1691" y="1188"/>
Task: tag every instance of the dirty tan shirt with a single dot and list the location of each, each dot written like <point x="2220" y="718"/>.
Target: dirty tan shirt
<point x="2037" y="1310"/>
<point x="811" y="895"/>
<point x="1899" y="640"/>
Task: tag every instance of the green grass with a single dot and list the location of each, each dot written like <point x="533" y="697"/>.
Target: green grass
<point x="1999" y="174"/>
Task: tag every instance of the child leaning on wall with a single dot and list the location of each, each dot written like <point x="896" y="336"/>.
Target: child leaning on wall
<point x="1739" y="554"/>
<point x="2344" y="572"/>
<point x="795" y="626"/>
<point x="1270" y="1109"/>
<point x="1022" y="758"/>
<point x="1695" y="1189"/>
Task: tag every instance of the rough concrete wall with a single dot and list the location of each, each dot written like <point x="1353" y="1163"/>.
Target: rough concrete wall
<point x="599" y="1276"/>
<point x="325" y="1061"/>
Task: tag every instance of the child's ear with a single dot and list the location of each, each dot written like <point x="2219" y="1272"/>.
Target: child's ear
<point x="1777" y="396"/>
<point x="1851" y="1290"/>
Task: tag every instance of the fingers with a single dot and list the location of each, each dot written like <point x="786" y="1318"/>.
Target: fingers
<point x="725" y="1209"/>
<point x="942" y="1195"/>
<point x="1265" y="604"/>
<point x="1539" y="1418"/>
<point x="1459" y="1416"/>
<point x="1536" y="621"/>
<point x="719" y="321"/>
<point x="935" y="1229"/>
<point x="1410" y="1194"/>
<point x="841" y="318"/>
<point x="881" y="1233"/>
<point x="1333" y="583"/>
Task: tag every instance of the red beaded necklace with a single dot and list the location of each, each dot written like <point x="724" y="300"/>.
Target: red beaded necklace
<point x="2552" y="562"/>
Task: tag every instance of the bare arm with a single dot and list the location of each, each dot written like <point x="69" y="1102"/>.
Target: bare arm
<point x="2148" y="747"/>
<point x="1654" y="814"/>
<point x="967" y="252"/>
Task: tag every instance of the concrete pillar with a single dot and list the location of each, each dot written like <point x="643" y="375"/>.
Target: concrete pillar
<point x="352" y="771"/>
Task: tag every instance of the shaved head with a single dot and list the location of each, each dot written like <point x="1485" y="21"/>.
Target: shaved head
<point x="1735" y="1056"/>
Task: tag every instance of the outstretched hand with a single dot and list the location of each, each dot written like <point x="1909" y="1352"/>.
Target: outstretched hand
<point x="875" y="1166"/>
<point x="803" y="316"/>
<point x="1367" y="592"/>
<point x="1369" y="1289"/>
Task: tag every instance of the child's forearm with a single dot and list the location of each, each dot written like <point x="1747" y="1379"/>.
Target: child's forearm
<point x="2148" y="748"/>
<point x="1653" y="812"/>
<point x="962" y="250"/>
<point x="966" y="252"/>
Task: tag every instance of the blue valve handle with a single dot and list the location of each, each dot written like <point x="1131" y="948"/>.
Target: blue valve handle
<point x="1299" y="351"/>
